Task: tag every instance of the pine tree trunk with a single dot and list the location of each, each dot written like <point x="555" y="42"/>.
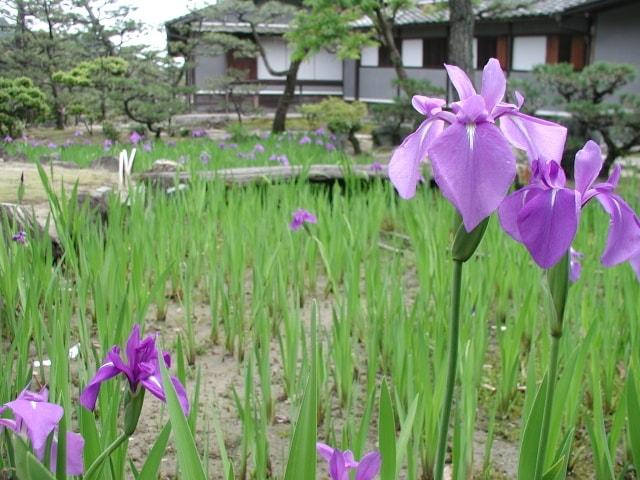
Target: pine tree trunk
<point x="280" y="119"/>
<point x="461" y="24"/>
<point x="385" y="29"/>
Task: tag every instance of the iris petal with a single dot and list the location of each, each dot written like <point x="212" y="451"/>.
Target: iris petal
<point x="548" y="225"/>
<point x="460" y="81"/>
<point x="623" y="241"/>
<point x="474" y="168"/>
<point x="494" y="83"/>
<point x="587" y="166"/>
<point x="404" y="167"/>
<point x="369" y="466"/>
<point x="539" y="138"/>
<point x="90" y="393"/>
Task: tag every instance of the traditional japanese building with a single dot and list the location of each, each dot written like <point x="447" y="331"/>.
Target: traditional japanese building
<point x="545" y="31"/>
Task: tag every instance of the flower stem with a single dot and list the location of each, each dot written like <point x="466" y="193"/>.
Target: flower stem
<point x="454" y="330"/>
<point x="558" y="281"/>
<point x="548" y="406"/>
<point x="97" y="463"/>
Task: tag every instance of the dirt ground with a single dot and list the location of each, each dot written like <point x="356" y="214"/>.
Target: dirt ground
<point x="220" y="371"/>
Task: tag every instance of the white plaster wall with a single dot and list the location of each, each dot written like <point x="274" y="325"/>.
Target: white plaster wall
<point x="529" y="52"/>
<point x="369" y="57"/>
<point x="277" y="55"/>
<point x="412" y="52"/>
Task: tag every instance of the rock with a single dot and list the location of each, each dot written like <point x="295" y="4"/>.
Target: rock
<point x="97" y="201"/>
<point x="20" y="218"/>
<point x="106" y="163"/>
<point x="164" y="165"/>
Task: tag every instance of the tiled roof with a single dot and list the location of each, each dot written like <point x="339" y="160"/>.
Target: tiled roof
<point x="436" y="11"/>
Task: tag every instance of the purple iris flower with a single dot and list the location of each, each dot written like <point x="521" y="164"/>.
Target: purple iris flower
<point x="319" y="142"/>
<point x="68" y="142"/>
<point x="205" y="158"/>
<point x="472" y="159"/>
<point x="35" y="418"/>
<point x="147" y="147"/>
<point x="341" y="462"/>
<point x="78" y="133"/>
<point x="198" y="133"/>
<point x="7" y="139"/>
<point x="320" y="132"/>
<point x="142" y="368"/>
<point x="304" y="140"/>
<point x="300" y="217"/>
<point x="376" y="167"/>
<point x="259" y="148"/>
<point x="135" y="138"/>
<point x="107" y="144"/>
<point x="329" y="147"/>
<point x="544" y="215"/>
<point x="282" y="159"/>
<point x="20" y="237"/>
<point x="52" y="145"/>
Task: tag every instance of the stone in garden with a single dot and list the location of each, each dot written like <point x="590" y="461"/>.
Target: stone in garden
<point x="164" y="165"/>
<point x="97" y="201"/>
<point x="107" y="162"/>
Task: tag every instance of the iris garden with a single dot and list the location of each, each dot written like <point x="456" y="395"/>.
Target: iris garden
<point x="362" y="335"/>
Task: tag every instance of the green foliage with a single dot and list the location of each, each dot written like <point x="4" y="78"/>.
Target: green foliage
<point x="236" y="89"/>
<point x="339" y="116"/>
<point x="598" y="109"/>
<point x="395" y="120"/>
<point x="110" y="131"/>
<point x="94" y="86"/>
<point x="21" y="102"/>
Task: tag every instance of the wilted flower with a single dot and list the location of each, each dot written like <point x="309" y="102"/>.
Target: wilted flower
<point x="300" y="217"/>
<point x="340" y="463"/>
<point x="147" y="147"/>
<point x="35" y="418"/>
<point x="205" y="158"/>
<point x="575" y="267"/>
<point x="171" y="143"/>
<point x="142" y="369"/>
<point x="544" y="215"/>
<point x="233" y="145"/>
<point x="135" y="138"/>
<point x="68" y="142"/>
<point x="182" y="160"/>
<point x="52" y="145"/>
<point x="265" y="135"/>
<point x="304" y="140"/>
<point x="473" y="163"/>
<point x="87" y="141"/>
<point x="330" y="147"/>
<point x="7" y="139"/>
<point x="319" y="142"/>
<point x="20" y="237"/>
<point x="107" y="144"/>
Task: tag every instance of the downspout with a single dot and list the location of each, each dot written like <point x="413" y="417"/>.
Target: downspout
<point x="357" y="80"/>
